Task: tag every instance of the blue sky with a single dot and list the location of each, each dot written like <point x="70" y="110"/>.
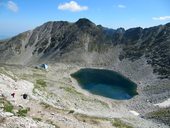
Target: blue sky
<point x="20" y="15"/>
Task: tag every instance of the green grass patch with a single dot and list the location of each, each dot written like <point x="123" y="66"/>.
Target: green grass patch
<point x="120" y="124"/>
<point x="90" y="119"/>
<point x="22" y="112"/>
<point x="161" y="115"/>
<point x="8" y="107"/>
<point x="37" y="119"/>
<point x="71" y="89"/>
<point x="41" y="82"/>
<point x="161" y="112"/>
<point x="71" y="112"/>
<point x="38" y="75"/>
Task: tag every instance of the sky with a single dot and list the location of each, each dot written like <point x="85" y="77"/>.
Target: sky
<point x="17" y="16"/>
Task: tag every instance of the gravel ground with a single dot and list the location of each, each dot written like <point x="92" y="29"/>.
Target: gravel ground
<point x="62" y="103"/>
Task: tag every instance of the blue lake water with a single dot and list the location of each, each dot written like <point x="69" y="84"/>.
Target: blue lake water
<point x="106" y="83"/>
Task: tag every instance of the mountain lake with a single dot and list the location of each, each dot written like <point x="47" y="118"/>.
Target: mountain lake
<point x="106" y="83"/>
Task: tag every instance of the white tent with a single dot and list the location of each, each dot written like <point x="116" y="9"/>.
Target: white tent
<point x="45" y="66"/>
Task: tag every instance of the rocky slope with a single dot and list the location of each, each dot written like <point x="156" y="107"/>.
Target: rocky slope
<point x="83" y="41"/>
<point x="55" y="100"/>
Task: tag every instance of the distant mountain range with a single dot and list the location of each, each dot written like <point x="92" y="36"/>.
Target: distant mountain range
<point x="87" y="43"/>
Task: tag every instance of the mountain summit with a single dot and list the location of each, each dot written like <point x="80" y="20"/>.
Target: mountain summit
<point x="84" y="23"/>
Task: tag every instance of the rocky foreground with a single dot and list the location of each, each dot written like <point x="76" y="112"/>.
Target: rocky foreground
<point x="55" y="100"/>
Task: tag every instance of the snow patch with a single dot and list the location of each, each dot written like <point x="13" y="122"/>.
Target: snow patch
<point x="134" y="113"/>
<point x="164" y="104"/>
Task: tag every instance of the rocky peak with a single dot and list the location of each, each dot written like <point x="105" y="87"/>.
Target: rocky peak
<point x="84" y="23"/>
<point x="120" y="30"/>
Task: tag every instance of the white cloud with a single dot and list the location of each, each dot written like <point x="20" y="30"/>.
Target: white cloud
<point x="72" y="6"/>
<point x="12" y="6"/>
<point x="121" y="6"/>
<point x="161" y="18"/>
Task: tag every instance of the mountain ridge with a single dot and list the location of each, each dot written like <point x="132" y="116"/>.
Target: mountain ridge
<point x="62" y="41"/>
